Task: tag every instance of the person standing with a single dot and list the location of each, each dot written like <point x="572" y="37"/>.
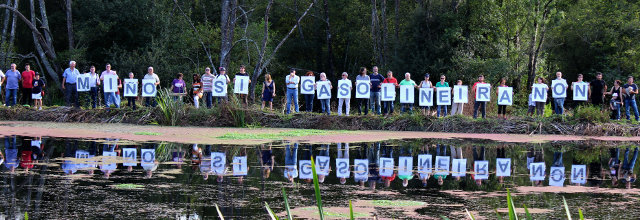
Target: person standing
<point x="109" y="97"/>
<point x="268" y="91"/>
<point x="478" y="105"/>
<point x="540" y="105"/>
<point x="616" y="98"/>
<point x="363" y="102"/>
<point x="94" y="82"/>
<point x="13" y="78"/>
<point x="456" y="108"/>
<point x="559" y="102"/>
<point x="597" y="88"/>
<point x="442" y="108"/>
<point x="407" y="81"/>
<point x="292" y="81"/>
<point x="207" y="87"/>
<point x="223" y="75"/>
<point x="426" y="83"/>
<point x="308" y="98"/>
<point x="502" y="109"/>
<point x="178" y="87"/>
<point x="388" y="105"/>
<point x="69" y="80"/>
<point x="242" y="72"/>
<point x="376" y="80"/>
<point x="326" y="103"/>
<point x="36" y="91"/>
<point x="151" y="101"/>
<point x="196" y="91"/>
<point x="580" y="80"/>
<point x="629" y="94"/>
<point x="345" y="101"/>
<point x="2" y="78"/>
<point x="27" y="84"/>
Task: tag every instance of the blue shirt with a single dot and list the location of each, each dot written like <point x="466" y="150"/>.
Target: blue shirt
<point x="71" y="75"/>
<point x="12" y="79"/>
<point x="376" y="79"/>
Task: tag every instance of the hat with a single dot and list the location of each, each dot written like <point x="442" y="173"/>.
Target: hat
<point x="37" y="73"/>
<point x="222" y="69"/>
<point x="426" y="75"/>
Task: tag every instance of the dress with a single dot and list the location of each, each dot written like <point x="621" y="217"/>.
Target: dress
<point x="267" y="95"/>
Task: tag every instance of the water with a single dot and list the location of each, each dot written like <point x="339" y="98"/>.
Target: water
<point x="70" y="178"/>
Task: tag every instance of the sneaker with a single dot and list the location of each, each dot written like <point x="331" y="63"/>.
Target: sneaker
<point x="40" y="108"/>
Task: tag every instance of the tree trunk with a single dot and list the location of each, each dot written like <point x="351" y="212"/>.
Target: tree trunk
<point x="385" y="34"/>
<point x="374" y="30"/>
<point x="38" y="41"/>
<point x="330" y="57"/>
<point x="396" y="27"/>
<point x="5" y="27"/>
<point x="227" y="27"/>
<point x="195" y="31"/>
<point x="535" y="45"/>
<point x="12" y="35"/>
<point x="69" y="23"/>
<point x="45" y="25"/>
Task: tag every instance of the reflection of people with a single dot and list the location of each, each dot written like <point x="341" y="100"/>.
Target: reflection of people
<point x="323" y="151"/>
<point x="307" y="156"/>
<point x="387" y="152"/>
<point x="627" y="175"/>
<point x="500" y="153"/>
<point x="26" y="156"/>
<point x="11" y="152"/>
<point x="535" y="156"/>
<point x="361" y="153"/>
<point x="266" y="160"/>
<point x="177" y="156"/>
<point x="204" y="161"/>
<point x="456" y="153"/>
<point x="243" y="153"/>
<point x="614" y="165"/>
<point x="424" y="177"/>
<point x="68" y="165"/>
<point x="441" y="150"/>
<point x="343" y="152"/>
<point x="478" y="156"/>
<point x="107" y="166"/>
<point x="373" y="155"/>
<point x="406" y="151"/>
<point x="291" y="162"/>
<point x="150" y="167"/>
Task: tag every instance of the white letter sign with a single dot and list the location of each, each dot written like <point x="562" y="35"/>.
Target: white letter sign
<point x="241" y="85"/>
<point x="361" y="169"/>
<point x="324" y="89"/>
<point x="405" y="166"/>
<point x="424" y="163"/>
<point x="344" y="89"/>
<point x="559" y="88"/>
<point x="388" y="92"/>
<point x="386" y="166"/>
<point x="110" y="83"/>
<point x="218" y="163"/>
<point x="407" y="93"/>
<point x="444" y="95"/>
<point x="556" y="178"/>
<point x="306" y="85"/>
<point x="505" y="96"/>
<point x="129" y="156"/>
<point x="460" y="94"/>
<point x="239" y="166"/>
<point x="442" y="165"/>
<point x="342" y="166"/>
<point x="481" y="168"/>
<point x="363" y="89"/>
<point x="459" y="167"/>
<point x="426" y="97"/>
<point x="580" y="91"/>
<point x="83" y="83"/>
<point x="219" y="87"/>
<point x="148" y="87"/>
<point x="130" y="87"/>
<point x="483" y="92"/>
<point x="503" y="167"/>
<point x="322" y="165"/>
<point x="579" y="174"/>
<point x="305" y="169"/>
<point x="536" y="171"/>
<point x="539" y="93"/>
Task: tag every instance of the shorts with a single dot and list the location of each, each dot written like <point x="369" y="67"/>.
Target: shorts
<point x="36" y="96"/>
<point x="531" y="109"/>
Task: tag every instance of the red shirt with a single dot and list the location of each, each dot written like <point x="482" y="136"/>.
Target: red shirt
<point x="391" y="80"/>
<point x="27" y="79"/>
<point x="390" y="178"/>
<point x="26" y="161"/>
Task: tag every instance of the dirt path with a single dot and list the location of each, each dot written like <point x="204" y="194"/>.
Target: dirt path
<point x="201" y="135"/>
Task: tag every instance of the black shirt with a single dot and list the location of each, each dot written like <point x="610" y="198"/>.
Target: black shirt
<point x="37" y="86"/>
<point x="597" y="88"/>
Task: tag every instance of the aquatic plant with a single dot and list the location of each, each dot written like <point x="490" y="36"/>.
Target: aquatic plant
<point x="316" y="187"/>
<point x="171" y="109"/>
<point x="286" y="204"/>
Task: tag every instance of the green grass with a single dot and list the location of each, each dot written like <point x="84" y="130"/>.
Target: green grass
<point x="147" y="133"/>
<point x="275" y="136"/>
<point x="396" y="203"/>
<point x="129" y="186"/>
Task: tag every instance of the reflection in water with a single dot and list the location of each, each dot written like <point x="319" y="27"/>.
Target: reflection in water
<point x="61" y="174"/>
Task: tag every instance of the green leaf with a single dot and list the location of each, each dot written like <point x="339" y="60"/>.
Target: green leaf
<point x="580" y="214"/>
<point x="219" y="212"/>
<point x="526" y="211"/>
<point x="444" y="217"/>
<point x="316" y="187"/>
<point x="469" y="213"/>
<point x="350" y="210"/>
<point x="566" y="208"/>
<point x="286" y="204"/>
<point x="271" y="213"/>
<point x="499" y="217"/>
<point x="512" y="210"/>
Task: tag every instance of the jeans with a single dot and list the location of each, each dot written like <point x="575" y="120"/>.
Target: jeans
<point x="11" y="97"/>
<point x="131" y="102"/>
<point x="540" y="108"/>
<point x="308" y="102"/>
<point x="616" y="112"/>
<point x="407" y="106"/>
<point x="456" y="108"/>
<point x="365" y="103"/>
<point x="150" y="101"/>
<point x="628" y="103"/>
<point x="483" y="109"/>
<point x="557" y="160"/>
<point x="387" y="107"/>
<point x="291" y="155"/>
<point x="110" y="98"/>
<point x="374" y="101"/>
<point x="441" y="150"/>
<point x="71" y="94"/>
<point x="629" y="164"/>
<point x="326" y="106"/>
<point x="26" y="96"/>
<point x="559" y="106"/>
<point x="292" y="96"/>
<point x="93" y="92"/>
<point x="344" y="102"/>
<point x="442" y="108"/>
<point x="208" y="99"/>
<point x="479" y="156"/>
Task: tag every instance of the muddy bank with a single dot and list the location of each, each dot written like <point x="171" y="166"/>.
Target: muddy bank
<point x="228" y="117"/>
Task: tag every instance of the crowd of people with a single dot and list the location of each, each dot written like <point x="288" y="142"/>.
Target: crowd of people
<point x="31" y="86"/>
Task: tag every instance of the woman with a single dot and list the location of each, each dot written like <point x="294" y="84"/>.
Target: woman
<point x="616" y="98"/>
<point x="268" y="91"/>
<point x="442" y="108"/>
<point x="308" y="98"/>
<point x="363" y="102"/>
<point x="407" y="81"/>
<point x="426" y="83"/>
<point x="131" y="100"/>
<point x="196" y="92"/>
<point x="502" y="109"/>
<point x="178" y="87"/>
<point x="456" y="108"/>
<point x="325" y="103"/>
<point x="540" y="105"/>
<point x="345" y="101"/>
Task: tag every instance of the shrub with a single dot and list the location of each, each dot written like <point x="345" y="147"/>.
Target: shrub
<point x="589" y="113"/>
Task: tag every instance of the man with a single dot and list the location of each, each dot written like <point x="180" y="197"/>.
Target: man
<point x="387" y="106"/>
<point x="478" y="104"/>
<point x="376" y="80"/>
<point x="597" y="88"/>
<point x="69" y="80"/>
<point x="109" y="97"/>
<point x="13" y="77"/>
<point x="629" y="93"/>
<point x="559" y="102"/>
<point x="207" y="87"/>
<point x="242" y="72"/>
<point x="2" y="78"/>
<point x="223" y="75"/>
<point x="27" y="84"/>
<point x="292" y="82"/>
<point x="151" y="101"/>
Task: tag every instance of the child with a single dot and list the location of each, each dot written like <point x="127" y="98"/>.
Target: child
<point x="532" y="105"/>
<point x="131" y="100"/>
<point x="36" y="92"/>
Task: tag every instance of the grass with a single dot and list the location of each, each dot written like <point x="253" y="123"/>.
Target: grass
<point x="274" y="136"/>
<point x="316" y="188"/>
<point x="396" y="203"/>
<point x="129" y="186"/>
<point x="147" y="133"/>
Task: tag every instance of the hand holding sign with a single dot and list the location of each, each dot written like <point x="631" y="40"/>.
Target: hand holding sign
<point x="559" y="88"/>
<point x="483" y="92"/>
<point x="83" y="83"/>
<point x="460" y="94"/>
<point x="130" y="87"/>
<point x="580" y="91"/>
<point x="241" y="85"/>
<point x="363" y="89"/>
<point x="426" y="97"/>
<point x="307" y="85"/>
<point x="505" y="96"/>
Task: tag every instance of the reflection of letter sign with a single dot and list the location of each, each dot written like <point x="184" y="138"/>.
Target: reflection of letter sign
<point x="442" y="165"/>
<point x="83" y="157"/>
<point x="342" y="166"/>
<point x="149" y="88"/>
<point x="306" y="85"/>
<point x="387" y="92"/>
<point x="503" y="167"/>
<point x="324" y="89"/>
<point x="460" y="94"/>
<point x="426" y="97"/>
<point x="481" y="168"/>
<point x="424" y="163"/>
<point x="305" y="169"/>
<point x="344" y="89"/>
<point x="35" y="143"/>
<point x="363" y="89"/>
<point x="110" y="83"/>
<point x="129" y="156"/>
<point x="580" y="91"/>
<point x="218" y="162"/>
<point x="130" y="87"/>
<point x="483" y="92"/>
<point x="239" y="166"/>
<point x="83" y="83"/>
<point x="556" y="178"/>
<point x="219" y="87"/>
<point x="361" y="169"/>
<point x="539" y="93"/>
<point x="241" y="85"/>
<point x="459" y="167"/>
<point x="405" y="166"/>
<point x="322" y="165"/>
<point x="536" y="171"/>
<point x="407" y="93"/>
<point x="559" y="88"/>
<point x="505" y="96"/>
<point x="386" y="166"/>
<point x="147" y="156"/>
<point x="444" y="95"/>
<point x="108" y="158"/>
<point x="578" y="174"/>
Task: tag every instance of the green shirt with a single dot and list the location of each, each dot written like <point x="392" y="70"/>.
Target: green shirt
<point x="439" y="84"/>
<point x="408" y="82"/>
<point x="405" y="177"/>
